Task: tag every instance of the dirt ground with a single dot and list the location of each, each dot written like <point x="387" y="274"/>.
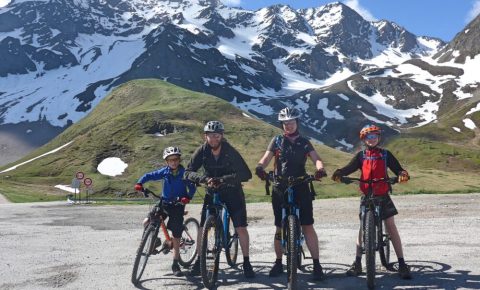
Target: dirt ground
<point x="60" y="246"/>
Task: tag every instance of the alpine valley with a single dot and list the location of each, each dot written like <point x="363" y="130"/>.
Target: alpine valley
<point x="60" y="58"/>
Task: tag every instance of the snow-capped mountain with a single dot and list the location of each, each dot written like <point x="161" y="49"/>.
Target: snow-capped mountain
<point x="60" y="58"/>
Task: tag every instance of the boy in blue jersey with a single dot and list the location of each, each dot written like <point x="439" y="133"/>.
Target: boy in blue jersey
<point x="175" y="190"/>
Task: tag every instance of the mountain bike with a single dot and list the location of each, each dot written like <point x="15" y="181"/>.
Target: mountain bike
<point x="218" y="233"/>
<point x="151" y="244"/>
<point x="374" y="237"/>
<point x="292" y="235"/>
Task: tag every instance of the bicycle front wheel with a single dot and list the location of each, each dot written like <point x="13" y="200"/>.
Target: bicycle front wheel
<point x="292" y="251"/>
<point x="231" y="251"/>
<point x="188" y="245"/>
<point x="145" y="249"/>
<point x="370" y="248"/>
<point x="210" y="254"/>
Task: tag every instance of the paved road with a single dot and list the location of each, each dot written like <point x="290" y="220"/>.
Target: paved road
<point x="55" y="245"/>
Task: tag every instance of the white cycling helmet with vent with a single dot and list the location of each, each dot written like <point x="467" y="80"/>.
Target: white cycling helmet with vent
<point x="288" y="113"/>
<point x="169" y="151"/>
<point x="214" y="127"/>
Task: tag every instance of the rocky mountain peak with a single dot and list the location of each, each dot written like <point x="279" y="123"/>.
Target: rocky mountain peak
<point x="465" y="44"/>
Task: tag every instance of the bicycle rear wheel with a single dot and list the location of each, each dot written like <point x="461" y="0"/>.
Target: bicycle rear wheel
<point x="370" y="248"/>
<point x="384" y="249"/>
<point x="145" y="249"/>
<point x="292" y="252"/>
<point x="188" y="246"/>
<point x="231" y="251"/>
<point x="210" y="254"/>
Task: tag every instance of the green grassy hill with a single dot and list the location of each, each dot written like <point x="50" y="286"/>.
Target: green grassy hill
<point x="124" y="125"/>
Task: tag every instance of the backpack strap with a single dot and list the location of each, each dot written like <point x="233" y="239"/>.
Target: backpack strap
<point x="277" y="149"/>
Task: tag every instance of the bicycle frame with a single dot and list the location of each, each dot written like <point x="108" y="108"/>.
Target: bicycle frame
<point x="291" y="208"/>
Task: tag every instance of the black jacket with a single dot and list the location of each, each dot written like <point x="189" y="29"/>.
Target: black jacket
<point x="229" y="163"/>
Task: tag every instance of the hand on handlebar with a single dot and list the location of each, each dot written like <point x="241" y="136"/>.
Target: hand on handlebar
<point x="213" y="182"/>
<point x="403" y="176"/>
<point x="337" y="176"/>
<point x="320" y="173"/>
<point x="260" y="172"/>
<point x="184" y="200"/>
<point x="139" y="187"/>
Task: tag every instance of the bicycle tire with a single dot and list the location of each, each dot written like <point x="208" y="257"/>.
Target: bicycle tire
<point x="145" y="249"/>
<point x="370" y="248"/>
<point x="231" y="251"/>
<point x="188" y="245"/>
<point x="292" y="252"/>
<point x="210" y="252"/>
<point x="300" y="255"/>
<point x="384" y="250"/>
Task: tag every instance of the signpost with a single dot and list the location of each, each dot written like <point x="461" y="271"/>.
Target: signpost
<point x="76" y="183"/>
<point x="88" y="183"/>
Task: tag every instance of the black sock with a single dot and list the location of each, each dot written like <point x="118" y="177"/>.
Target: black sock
<point x="278" y="261"/>
<point x="175" y="262"/>
<point x="246" y="259"/>
<point x="358" y="259"/>
<point x="316" y="262"/>
<point x="401" y="261"/>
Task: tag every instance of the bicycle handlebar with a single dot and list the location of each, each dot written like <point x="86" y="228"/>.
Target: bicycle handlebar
<point x="348" y="180"/>
<point x="291" y="181"/>
<point x="218" y="182"/>
<point x="147" y="192"/>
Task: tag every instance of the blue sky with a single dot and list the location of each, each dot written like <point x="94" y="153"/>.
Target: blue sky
<point x="436" y="18"/>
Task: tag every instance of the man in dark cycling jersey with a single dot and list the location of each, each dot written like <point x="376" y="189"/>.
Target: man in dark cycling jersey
<point x="220" y="160"/>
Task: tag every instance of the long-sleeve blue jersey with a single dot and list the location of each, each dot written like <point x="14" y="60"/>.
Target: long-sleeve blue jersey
<point x="174" y="186"/>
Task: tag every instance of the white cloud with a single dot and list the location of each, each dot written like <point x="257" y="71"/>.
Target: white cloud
<point x="355" y="5"/>
<point x="234" y="3"/>
<point x="473" y="12"/>
<point x="4" y="3"/>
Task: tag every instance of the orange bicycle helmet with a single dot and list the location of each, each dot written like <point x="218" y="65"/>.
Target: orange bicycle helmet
<point x="370" y="129"/>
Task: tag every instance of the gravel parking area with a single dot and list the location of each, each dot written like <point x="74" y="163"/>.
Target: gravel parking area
<point x="59" y="246"/>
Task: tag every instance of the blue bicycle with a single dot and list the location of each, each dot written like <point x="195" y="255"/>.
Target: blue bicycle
<point x="292" y="235"/>
<point x="218" y="233"/>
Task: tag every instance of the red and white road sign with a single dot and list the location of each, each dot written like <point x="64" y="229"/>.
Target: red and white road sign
<point x="79" y="175"/>
<point x="88" y="181"/>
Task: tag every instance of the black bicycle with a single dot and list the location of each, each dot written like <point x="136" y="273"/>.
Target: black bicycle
<point x="151" y="244"/>
<point x="374" y="237"/>
<point x="292" y="235"/>
<point x="218" y="233"/>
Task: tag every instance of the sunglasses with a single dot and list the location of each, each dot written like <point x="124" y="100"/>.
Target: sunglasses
<point x="371" y="136"/>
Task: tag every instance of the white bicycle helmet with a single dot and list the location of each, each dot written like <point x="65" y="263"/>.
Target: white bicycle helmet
<point x="214" y="127"/>
<point x="171" y="151"/>
<point x="288" y="113"/>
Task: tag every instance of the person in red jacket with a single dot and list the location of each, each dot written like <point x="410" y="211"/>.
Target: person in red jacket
<point x="374" y="162"/>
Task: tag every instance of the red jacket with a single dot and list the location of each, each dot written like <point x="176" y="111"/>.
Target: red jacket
<point x="374" y="165"/>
